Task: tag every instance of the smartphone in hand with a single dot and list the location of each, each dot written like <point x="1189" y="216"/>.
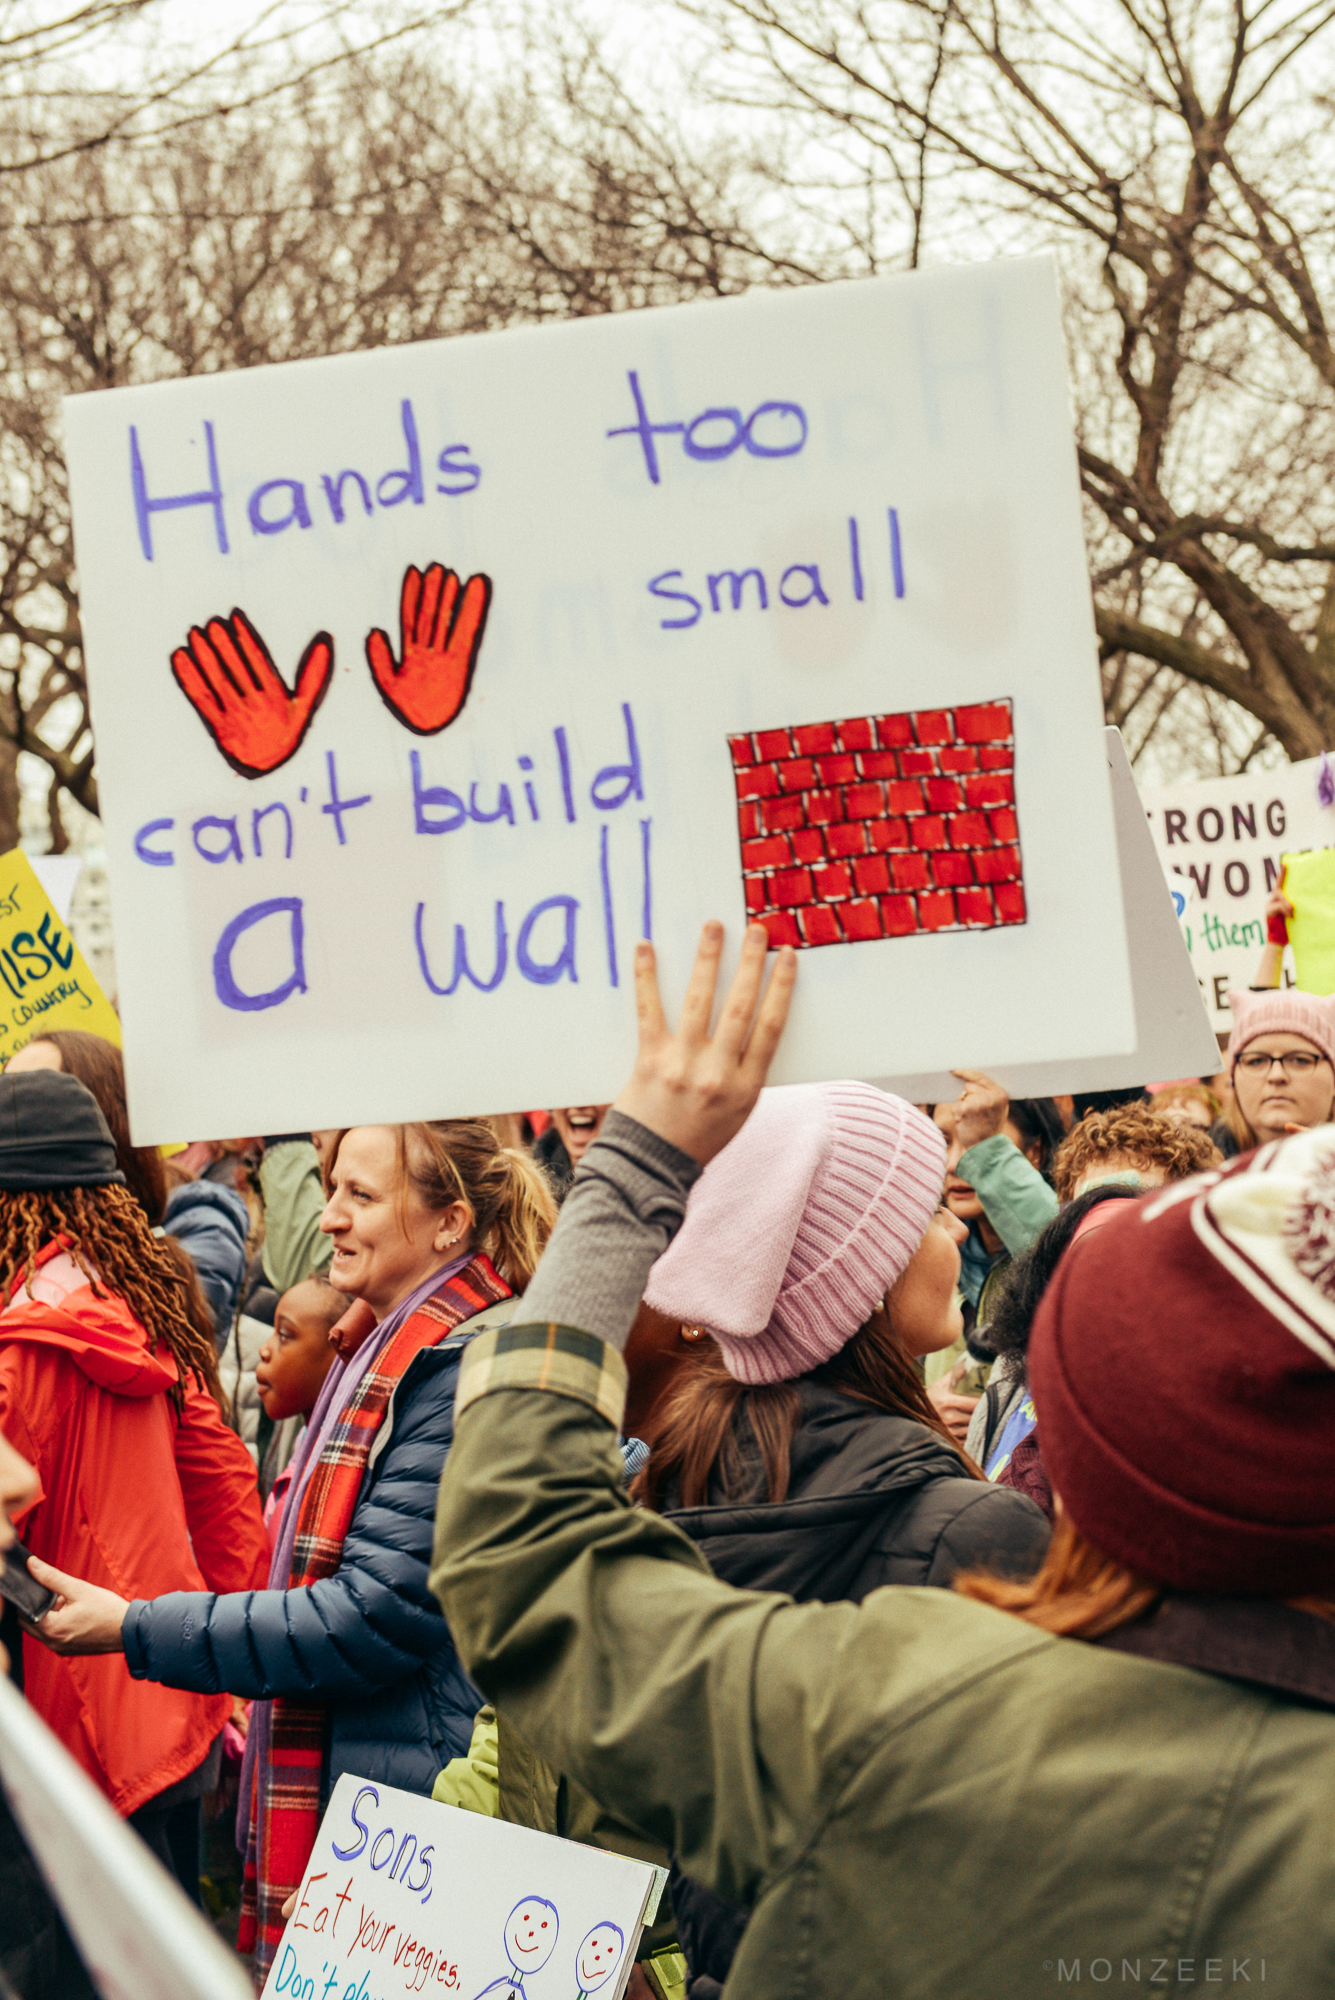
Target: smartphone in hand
<point x="32" y="1599"/>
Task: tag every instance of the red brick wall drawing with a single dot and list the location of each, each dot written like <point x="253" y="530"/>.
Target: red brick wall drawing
<point x="881" y="826"/>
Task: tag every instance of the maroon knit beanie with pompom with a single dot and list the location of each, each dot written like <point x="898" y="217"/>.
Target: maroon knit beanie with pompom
<point x="1182" y="1365"/>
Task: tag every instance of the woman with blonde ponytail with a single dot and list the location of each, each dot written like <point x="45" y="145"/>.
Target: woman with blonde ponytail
<point x="434" y="1225"/>
<point x="507" y="1194"/>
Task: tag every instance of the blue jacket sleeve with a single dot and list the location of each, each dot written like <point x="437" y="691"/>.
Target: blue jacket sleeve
<point x="366" y="1627"/>
<point x="212" y="1224"/>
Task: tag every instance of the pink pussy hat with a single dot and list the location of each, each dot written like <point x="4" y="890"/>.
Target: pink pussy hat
<point x="796" y="1231"/>
<point x="1285" y="1011"/>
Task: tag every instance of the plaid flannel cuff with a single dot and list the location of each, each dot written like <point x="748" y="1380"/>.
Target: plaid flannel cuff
<point x="559" y="1359"/>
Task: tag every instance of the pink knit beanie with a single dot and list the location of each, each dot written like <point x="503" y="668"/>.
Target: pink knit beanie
<point x="1286" y="1011"/>
<point x="796" y="1231"/>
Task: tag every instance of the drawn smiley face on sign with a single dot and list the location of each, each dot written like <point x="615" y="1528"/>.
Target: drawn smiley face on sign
<point x="599" y="1956"/>
<point x="530" y="1933"/>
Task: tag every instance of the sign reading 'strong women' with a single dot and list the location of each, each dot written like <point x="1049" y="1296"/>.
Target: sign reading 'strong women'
<point x="1222" y="842"/>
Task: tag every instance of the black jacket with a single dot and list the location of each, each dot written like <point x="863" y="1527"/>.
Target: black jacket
<point x="1221" y="1132"/>
<point x="550" y="1153"/>
<point x="872" y="1500"/>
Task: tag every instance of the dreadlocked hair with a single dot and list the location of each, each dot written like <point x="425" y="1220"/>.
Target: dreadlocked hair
<point x="108" y="1237"/>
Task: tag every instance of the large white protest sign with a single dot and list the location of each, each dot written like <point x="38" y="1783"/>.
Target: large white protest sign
<point x="402" y="1896"/>
<point x="1226" y="837"/>
<point x="137" y="1935"/>
<point x="426" y="681"/>
<point x="1173" y="1033"/>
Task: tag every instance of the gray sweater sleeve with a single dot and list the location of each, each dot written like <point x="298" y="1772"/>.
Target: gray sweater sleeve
<point x="625" y="1205"/>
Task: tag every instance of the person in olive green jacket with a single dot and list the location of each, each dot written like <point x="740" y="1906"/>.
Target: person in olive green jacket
<point x="925" y="1794"/>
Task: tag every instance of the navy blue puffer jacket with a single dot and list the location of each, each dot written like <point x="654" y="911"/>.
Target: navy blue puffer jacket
<point x="369" y="1642"/>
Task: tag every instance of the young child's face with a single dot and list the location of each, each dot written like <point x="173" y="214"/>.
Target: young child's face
<point x="295" y="1358"/>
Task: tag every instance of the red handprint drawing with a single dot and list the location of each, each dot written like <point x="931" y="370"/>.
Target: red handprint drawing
<point x="227" y="674"/>
<point x="440" y="628"/>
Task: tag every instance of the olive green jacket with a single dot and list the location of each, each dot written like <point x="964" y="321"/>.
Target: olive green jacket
<point x="295" y="1246"/>
<point x="920" y="1796"/>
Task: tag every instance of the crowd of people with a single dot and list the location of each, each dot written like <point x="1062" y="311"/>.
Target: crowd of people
<point x="945" y="1556"/>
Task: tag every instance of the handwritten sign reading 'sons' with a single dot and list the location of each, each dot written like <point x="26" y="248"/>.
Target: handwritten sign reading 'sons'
<point x="427" y="681"/>
<point x="44" y="980"/>
<point x="404" y="1896"/>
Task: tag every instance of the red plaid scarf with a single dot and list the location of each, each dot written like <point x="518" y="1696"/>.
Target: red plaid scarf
<point x="285" y="1799"/>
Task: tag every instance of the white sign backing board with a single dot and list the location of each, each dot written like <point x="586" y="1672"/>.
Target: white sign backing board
<point x="1173" y="1033"/>
<point x="425" y="681"/>
<point x="403" y="1896"/>
<point x="137" y="1935"/>
<point x="59" y="877"/>
<point x="1226" y="837"/>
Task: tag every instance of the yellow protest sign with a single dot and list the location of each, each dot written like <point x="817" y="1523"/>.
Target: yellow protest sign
<point x="44" y="979"/>
<point x="1309" y="883"/>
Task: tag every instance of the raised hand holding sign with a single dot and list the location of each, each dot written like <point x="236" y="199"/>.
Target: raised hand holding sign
<point x="440" y="629"/>
<point x="227" y="674"/>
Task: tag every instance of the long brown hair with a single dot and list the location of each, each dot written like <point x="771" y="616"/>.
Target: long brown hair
<point x="1080" y="1593"/>
<point x="110" y="1241"/>
<point x="506" y="1193"/>
<point x="1238" y="1126"/>
<point x="100" y="1067"/>
<point x="708" y="1413"/>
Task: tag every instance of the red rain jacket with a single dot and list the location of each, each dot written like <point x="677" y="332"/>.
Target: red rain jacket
<point x="132" y="1497"/>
